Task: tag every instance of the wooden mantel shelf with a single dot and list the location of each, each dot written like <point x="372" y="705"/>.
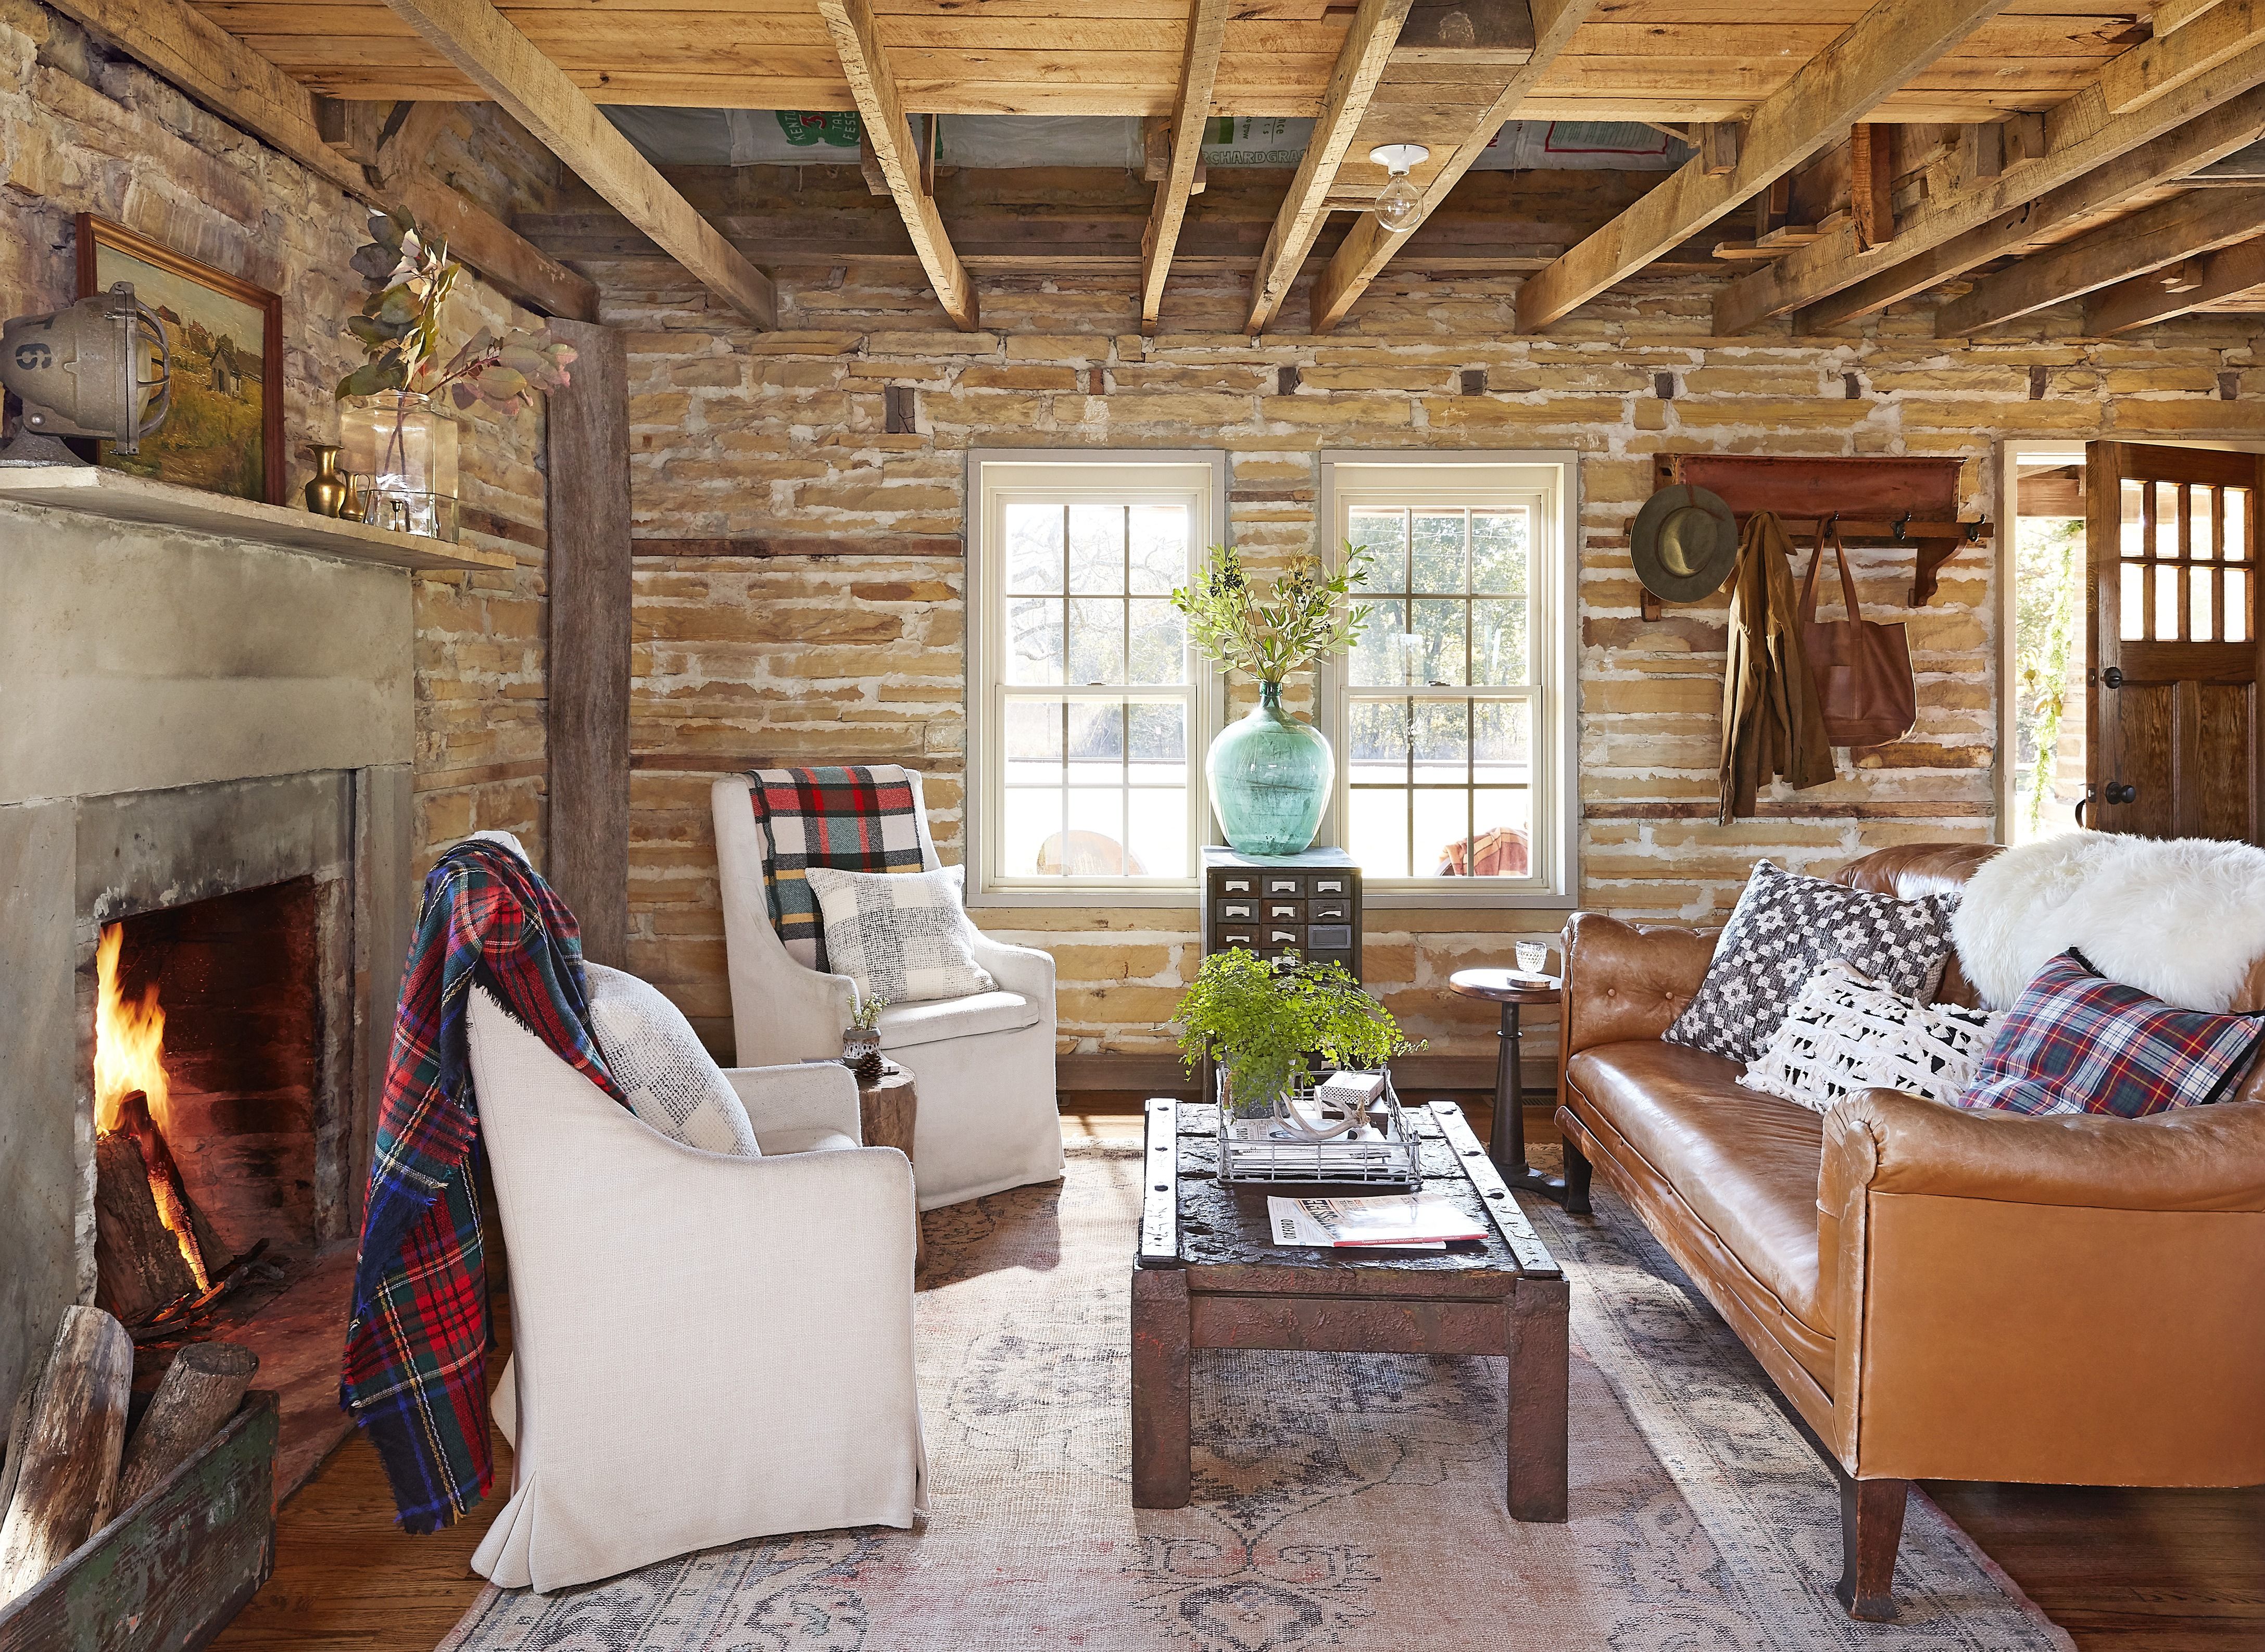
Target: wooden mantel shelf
<point x="98" y="492"/>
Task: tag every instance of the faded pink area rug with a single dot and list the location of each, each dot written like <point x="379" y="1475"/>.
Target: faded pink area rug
<point x="1341" y="1501"/>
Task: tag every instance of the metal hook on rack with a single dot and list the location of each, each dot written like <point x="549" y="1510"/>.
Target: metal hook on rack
<point x="1973" y="532"/>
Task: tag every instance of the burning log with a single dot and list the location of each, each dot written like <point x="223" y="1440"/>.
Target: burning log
<point x="138" y="1264"/>
<point x="200" y="1393"/>
<point x="71" y="1455"/>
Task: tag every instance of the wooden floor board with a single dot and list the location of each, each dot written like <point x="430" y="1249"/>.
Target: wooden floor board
<point x="2122" y="1571"/>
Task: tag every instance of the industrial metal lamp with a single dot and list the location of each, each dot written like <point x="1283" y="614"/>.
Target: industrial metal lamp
<point x="100" y="368"/>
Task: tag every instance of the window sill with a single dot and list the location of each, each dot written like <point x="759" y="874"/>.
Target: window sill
<point x="1183" y="897"/>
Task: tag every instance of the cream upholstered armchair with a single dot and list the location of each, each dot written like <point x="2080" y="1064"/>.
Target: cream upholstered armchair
<point x="704" y="1348"/>
<point x="984" y="1064"/>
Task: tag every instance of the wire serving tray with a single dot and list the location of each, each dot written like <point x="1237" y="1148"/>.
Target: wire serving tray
<point x="1256" y="1148"/>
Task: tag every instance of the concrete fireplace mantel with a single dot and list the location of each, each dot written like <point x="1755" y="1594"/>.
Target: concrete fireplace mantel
<point x="191" y="710"/>
<point x="97" y="492"/>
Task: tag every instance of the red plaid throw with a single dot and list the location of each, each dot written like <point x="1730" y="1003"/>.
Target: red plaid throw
<point x="2076" y="1041"/>
<point x="852" y="819"/>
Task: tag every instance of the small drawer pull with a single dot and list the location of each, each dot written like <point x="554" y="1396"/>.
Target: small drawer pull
<point x="1282" y="886"/>
<point x="1284" y="909"/>
<point x="1281" y="937"/>
<point x="1330" y="912"/>
<point x="1237" y="909"/>
<point x="1236" y="885"/>
<point x="1329" y="887"/>
<point x="1226" y="939"/>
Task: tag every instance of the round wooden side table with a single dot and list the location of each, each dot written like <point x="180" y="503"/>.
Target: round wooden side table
<point x="1515" y="990"/>
<point x="887" y="1109"/>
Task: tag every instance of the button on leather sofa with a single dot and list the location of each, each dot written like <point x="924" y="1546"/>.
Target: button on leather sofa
<point x="1942" y="1294"/>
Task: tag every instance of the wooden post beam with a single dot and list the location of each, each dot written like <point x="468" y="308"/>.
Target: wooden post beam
<point x="2146" y="72"/>
<point x="2087" y="166"/>
<point x="180" y="44"/>
<point x="2164" y="234"/>
<point x="1368" y="247"/>
<point x="1360" y="65"/>
<point x="857" y="43"/>
<point x="2148" y="298"/>
<point x="1831" y="92"/>
<point x="2173" y="15"/>
<point x="1198" y="71"/>
<point x="478" y="39"/>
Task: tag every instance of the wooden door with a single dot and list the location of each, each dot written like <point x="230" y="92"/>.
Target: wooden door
<point x="2171" y="657"/>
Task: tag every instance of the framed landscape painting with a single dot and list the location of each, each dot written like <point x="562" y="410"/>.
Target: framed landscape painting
<point x="225" y="432"/>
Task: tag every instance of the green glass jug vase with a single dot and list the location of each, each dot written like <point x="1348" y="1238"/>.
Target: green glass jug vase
<point x="1270" y="779"/>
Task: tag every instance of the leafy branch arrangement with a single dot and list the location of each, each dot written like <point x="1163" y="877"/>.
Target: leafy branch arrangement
<point x="867" y="1015"/>
<point x="1286" y="628"/>
<point x="1263" y="1019"/>
<point x="399" y="330"/>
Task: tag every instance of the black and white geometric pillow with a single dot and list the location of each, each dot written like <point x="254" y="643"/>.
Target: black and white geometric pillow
<point x="1784" y="926"/>
<point x="900" y="936"/>
<point x="1844" y="1034"/>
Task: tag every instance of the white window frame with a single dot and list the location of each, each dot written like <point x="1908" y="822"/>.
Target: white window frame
<point x="1350" y="478"/>
<point x="992" y="474"/>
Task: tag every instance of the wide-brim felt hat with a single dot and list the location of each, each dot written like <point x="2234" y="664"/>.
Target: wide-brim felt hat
<point x="1684" y="543"/>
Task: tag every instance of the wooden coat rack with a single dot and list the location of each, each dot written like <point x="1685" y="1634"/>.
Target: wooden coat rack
<point x="1875" y="501"/>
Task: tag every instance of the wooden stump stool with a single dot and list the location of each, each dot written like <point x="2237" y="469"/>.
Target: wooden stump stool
<point x="888" y="1108"/>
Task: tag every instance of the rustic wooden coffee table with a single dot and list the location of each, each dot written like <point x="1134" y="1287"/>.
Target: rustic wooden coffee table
<point x="1208" y="1274"/>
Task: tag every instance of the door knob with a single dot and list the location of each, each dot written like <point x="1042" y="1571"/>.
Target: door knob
<point x="2119" y="792"/>
<point x="2112" y="677"/>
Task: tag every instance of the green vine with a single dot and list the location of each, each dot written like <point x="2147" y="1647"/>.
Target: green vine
<point x="1265" y="1021"/>
<point x="2049" y="588"/>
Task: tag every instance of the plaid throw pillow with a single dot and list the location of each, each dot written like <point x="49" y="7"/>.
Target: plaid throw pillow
<point x="2075" y="1042"/>
<point x="903" y="938"/>
<point x="1784" y="926"/>
<point x="856" y="819"/>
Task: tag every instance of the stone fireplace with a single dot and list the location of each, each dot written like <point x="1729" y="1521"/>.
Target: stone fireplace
<point x="204" y="842"/>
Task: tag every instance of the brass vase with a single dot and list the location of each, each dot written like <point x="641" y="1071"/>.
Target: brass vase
<point x="326" y="490"/>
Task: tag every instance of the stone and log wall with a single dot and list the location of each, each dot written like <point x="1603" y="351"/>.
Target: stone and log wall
<point x="744" y="661"/>
<point x="85" y="128"/>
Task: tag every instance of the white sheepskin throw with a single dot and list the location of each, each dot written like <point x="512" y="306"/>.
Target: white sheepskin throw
<point x="2182" y="918"/>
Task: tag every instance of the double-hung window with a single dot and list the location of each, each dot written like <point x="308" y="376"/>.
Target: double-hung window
<point x="1454" y="718"/>
<point x="1088" y="710"/>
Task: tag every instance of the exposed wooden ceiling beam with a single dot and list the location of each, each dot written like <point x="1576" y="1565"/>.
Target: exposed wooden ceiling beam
<point x="2226" y="129"/>
<point x="178" y="43"/>
<point x="1368" y="247"/>
<point x="2166" y="62"/>
<point x="2079" y="136"/>
<point x="1359" y="66"/>
<point x="857" y="41"/>
<point x="1206" y="33"/>
<point x="475" y="38"/>
<point x="2173" y="15"/>
<point x="2166" y="233"/>
<point x="1834" y="90"/>
<point x="2145" y="298"/>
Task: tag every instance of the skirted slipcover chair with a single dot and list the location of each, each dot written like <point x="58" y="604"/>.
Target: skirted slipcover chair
<point x="705" y="1348"/>
<point x="984" y="1065"/>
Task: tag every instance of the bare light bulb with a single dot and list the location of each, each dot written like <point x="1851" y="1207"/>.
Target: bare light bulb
<point x="1399" y="204"/>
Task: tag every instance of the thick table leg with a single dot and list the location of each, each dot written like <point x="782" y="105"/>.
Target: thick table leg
<point x="1506" y="1141"/>
<point x="1539" y="1352"/>
<point x="1159" y="1388"/>
<point x="1871" y="1530"/>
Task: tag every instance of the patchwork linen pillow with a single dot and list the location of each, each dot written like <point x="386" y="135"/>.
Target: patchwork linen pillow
<point x="2075" y="1042"/>
<point x="900" y="936"/>
<point x="671" y="1082"/>
<point x="1845" y="1034"/>
<point x="1784" y="926"/>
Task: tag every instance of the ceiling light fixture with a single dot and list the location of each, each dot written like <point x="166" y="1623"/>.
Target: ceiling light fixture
<point x="1398" y="205"/>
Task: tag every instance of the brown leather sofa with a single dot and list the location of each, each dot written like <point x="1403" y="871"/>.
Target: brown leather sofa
<point x="1943" y="1295"/>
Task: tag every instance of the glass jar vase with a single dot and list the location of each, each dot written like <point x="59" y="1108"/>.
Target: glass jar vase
<point x="401" y="452"/>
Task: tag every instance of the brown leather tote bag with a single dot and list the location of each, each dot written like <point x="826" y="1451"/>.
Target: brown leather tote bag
<point x="1862" y="671"/>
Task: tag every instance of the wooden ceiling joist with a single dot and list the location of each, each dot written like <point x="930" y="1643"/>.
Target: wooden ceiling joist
<point x="2081" y="135"/>
<point x="1834" y="90"/>
<point x="1360" y="65"/>
<point x="2167" y="233"/>
<point x="1206" y="33"/>
<point x="2226" y="129"/>
<point x="2164" y="64"/>
<point x="1369" y="246"/>
<point x="475" y="37"/>
<point x="857" y="40"/>
<point x="179" y="43"/>
<point x="2211" y="279"/>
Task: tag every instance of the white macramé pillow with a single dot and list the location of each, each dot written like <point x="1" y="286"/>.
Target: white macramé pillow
<point x="671" y="1082"/>
<point x="900" y="936"/>
<point x="1845" y="1033"/>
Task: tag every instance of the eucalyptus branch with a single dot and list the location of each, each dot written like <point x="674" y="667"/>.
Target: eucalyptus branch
<point x="1287" y="626"/>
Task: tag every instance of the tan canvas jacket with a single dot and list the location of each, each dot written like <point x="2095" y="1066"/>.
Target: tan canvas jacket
<point x="1772" y="723"/>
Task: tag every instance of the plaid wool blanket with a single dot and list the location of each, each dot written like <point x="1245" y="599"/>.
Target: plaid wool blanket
<point x="416" y="1360"/>
<point x="852" y="819"/>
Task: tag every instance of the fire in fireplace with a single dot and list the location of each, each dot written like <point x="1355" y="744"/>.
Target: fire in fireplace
<point x="207" y="1024"/>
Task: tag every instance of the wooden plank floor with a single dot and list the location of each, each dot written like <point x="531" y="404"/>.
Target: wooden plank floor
<point x="2121" y="1570"/>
